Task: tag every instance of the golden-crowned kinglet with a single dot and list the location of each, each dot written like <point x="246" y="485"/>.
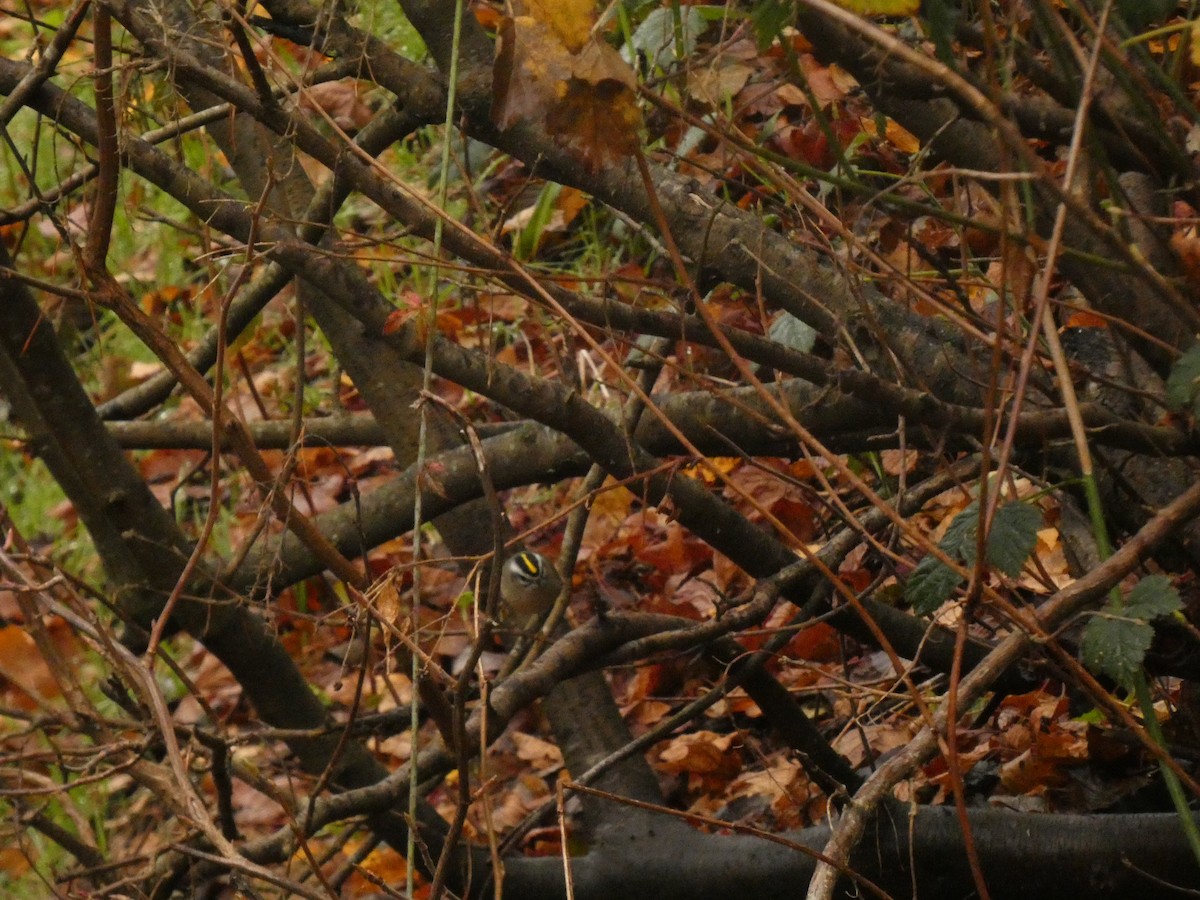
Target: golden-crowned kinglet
<point x="529" y="585"/>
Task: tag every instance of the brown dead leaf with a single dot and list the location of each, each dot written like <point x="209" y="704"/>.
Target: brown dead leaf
<point x="708" y="759"/>
<point x="1052" y="559"/>
<point x="974" y="747"/>
<point x="526" y="794"/>
<point x="691" y="597"/>
<point x="715" y="85"/>
<point x="340" y="101"/>
<point x="828" y="84"/>
<point x="542" y="756"/>
<point x="881" y="736"/>
<point x="666" y="551"/>
<point x="702" y="751"/>
<point x="412" y="308"/>
<point x="791" y="95"/>
<point x="1043" y="765"/>
<point x="807" y="143"/>
<point x="645" y="713"/>
<point x="609" y="508"/>
<point x="13" y="862"/>
<point x="649" y="681"/>
<point x="550" y="69"/>
<point x="898" y="461"/>
<point x="22" y="664"/>
<point x="1186" y="244"/>
<point x="738" y="703"/>
<point x="817" y="643"/>
<point x="763" y="488"/>
<point x="777" y="781"/>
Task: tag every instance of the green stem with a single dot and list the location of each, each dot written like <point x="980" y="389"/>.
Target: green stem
<point x="1178" y="798"/>
<point x="1141" y="686"/>
<point x="431" y="310"/>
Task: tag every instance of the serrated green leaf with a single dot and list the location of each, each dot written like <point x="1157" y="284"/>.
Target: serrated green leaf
<point x="1012" y="539"/>
<point x="1116" y="647"/>
<point x="959" y="539"/>
<point x="1013" y="536"/>
<point x="1183" y="384"/>
<point x="1152" y="598"/>
<point x="930" y="585"/>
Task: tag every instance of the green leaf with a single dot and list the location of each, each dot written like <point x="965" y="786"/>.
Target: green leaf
<point x="1152" y="598"/>
<point x="465" y="601"/>
<point x="932" y="582"/>
<point x="1183" y="384"/>
<point x="530" y="236"/>
<point x="959" y="540"/>
<point x="1012" y="539"/>
<point x="769" y="18"/>
<point x="1116" y="647"/>
<point x="1115" y="641"/>
<point x="1013" y="536"/>
<point x="930" y="585"/>
<point x="941" y="16"/>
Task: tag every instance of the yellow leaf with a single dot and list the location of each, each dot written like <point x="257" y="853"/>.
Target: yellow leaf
<point x="902" y="139"/>
<point x="895" y="133"/>
<point x="570" y="20"/>
<point x="881" y="7"/>
<point x="710" y="470"/>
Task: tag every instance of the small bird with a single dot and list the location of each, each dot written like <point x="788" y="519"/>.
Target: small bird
<point x="529" y="585"/>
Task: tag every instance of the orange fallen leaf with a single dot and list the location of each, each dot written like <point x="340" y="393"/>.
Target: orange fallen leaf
<point x="22" y="664"/>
